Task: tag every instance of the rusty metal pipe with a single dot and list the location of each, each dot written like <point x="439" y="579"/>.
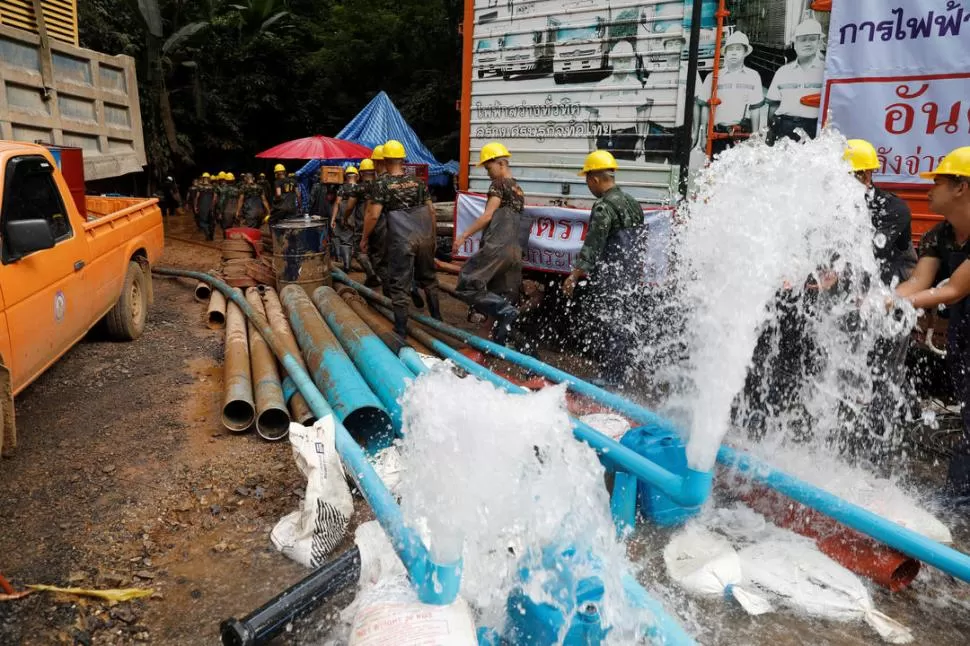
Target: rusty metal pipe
<point x="216" y="313"/>
<point x="354" y="403"/>
<point x="381" y="326"/>
<point x="272" y="418"/>
<point x="202" y="292"/>
<point x="281" y="327"/>
<point x="238" y="409"/>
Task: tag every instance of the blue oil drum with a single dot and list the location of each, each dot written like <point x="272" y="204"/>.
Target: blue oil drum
<point x="300" y="255"/>
<point x="668" y="451"/>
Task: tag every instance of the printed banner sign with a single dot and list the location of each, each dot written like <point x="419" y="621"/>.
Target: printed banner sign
<point x="558" y="233"/>
<point x="898" y="75"/>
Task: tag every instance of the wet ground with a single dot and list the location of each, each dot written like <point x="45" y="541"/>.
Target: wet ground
<point x="124" y="478"/>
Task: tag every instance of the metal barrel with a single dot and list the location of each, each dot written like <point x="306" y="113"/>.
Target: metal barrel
<point x="300" y="255"/>
<point x="272" y="418"/>
<point x="238" y="409"/>
<point x="281" y="327"/>
<point x="215" y="315"/>
<point x="202" y="292"/>
<point x="380" y="367"/>
<point x="356" y="406"/>
<point x="381" y="326"/>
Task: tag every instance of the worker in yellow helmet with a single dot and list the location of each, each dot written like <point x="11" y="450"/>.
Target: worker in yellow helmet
<point x="253" y="205"/>
<point x="357" y="201"/>
<point x="342" y="218"/>
<point x="286" y="196"/>
<point x="611" y="262"/>
<point x="408" y="254"/>
<point x="204" y="206"/>
<point x="229" y="203"/>
<point x="379" y="166"/>
<point x="489" y="282"/>
<point x="943" y="254"/>
<point x="891" y="217"/>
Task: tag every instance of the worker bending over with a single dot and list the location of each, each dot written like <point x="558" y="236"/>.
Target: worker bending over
<point x="612" y="260"/>
<point x="943" y="253"/>
<point x="410" y="242"/>
<point x="489" y="282"/>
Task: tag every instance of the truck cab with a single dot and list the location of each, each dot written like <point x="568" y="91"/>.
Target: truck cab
<point x="487" y="57"/>
<point x="527" y="53"/>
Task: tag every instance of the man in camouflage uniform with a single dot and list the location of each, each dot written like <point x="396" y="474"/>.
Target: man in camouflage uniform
<point x="231" y="199"/>
<point x="253" y="206"/>
<point x="612" y="260"/>
<point x="358" y="201"/>
<point x="410" y="244"/>
<point x="218" y="191"/>
<point x="204" y="206"/>
<point x="342" y="217"/>
<point x="267" y="187"/>
<point x="286" y="200"/>
<point x="190" y="198"/>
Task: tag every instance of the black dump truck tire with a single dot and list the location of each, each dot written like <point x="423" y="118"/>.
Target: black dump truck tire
<point x="126" y="320"/>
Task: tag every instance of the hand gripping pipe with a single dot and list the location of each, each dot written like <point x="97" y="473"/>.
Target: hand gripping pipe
<point x="689" y="490"/>
<point x="665" y="629"/>
<point x="357" y="408"/>
<point x="435" y="583"/>
<point x="892" y="534"/>
<point x="380" y="367"/>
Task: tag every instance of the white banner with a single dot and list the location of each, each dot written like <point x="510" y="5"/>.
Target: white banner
<point x="898" y="75"/>
<point x="558" y="233"/>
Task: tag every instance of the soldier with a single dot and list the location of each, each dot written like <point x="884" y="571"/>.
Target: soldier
<point x="230" y="203"/>
<point x="191" y="194"/>
<point x="739" y="93"/>
<point x="286" y="201"/>
<point x="343" y="217"/>
<point x="380" y="168"/>
<point x="794" y="81"/>
<point x="410" y="242"/>
<point x="612" y="260"/>
<point x="204" y="203"/>
<point x="253" y="206"/>
<point x="489" y="282"/>
<point x="267" y="187"/>
<point x="357" y="202"/>
<point x="218" y="190"/>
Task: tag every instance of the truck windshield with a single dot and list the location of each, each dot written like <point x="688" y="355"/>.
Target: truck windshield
<point x="486" y="45"/>
<point x="566" y="34"/>
<point x="520" y="40"/>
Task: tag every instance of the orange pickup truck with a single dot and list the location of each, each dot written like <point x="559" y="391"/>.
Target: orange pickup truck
<point x="61" y="271"/>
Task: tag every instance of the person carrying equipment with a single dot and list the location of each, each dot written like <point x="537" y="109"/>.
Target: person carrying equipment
<point x="410" y="241"/>
<point x="489" y="282"/>
<point x="943" y="254"/>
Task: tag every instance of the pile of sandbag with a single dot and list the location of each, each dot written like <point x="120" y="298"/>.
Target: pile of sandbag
<point x="244" y="261"/>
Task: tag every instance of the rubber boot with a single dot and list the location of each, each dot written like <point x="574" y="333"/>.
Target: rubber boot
<point x="401" y="322"/>
<point x="502" y="311"/>
<point x="416" y="297"/>
<point x="434" y="305"/>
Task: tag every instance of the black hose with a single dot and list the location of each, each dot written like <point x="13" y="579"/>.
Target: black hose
<point x="270" y="619"/>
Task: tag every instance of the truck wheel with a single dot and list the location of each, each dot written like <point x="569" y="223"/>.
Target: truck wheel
<point x="126" y="320"/>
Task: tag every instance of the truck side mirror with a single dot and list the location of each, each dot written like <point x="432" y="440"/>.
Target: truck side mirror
<point x="28" y="236"/>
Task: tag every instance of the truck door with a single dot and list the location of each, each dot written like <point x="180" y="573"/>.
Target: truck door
<point x="43" y="288"/>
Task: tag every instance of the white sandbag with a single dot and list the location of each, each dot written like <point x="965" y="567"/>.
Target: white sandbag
<point x="805" y="579"/>
<point x="609" y="424"/>
<point x="378" y="560"/>
<point x="310" y="534"/>
<point x="705" y="564"/>
<point x="387" y="463"/>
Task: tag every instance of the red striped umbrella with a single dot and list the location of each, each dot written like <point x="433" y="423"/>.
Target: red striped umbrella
<point x="317" y="147"/>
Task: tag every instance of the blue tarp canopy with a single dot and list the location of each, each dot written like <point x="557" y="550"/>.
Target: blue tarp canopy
<point x="374" y="125"/>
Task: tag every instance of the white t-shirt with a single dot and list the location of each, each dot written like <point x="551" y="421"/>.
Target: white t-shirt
<point x="739" y="92"/>
<point x="792" y="82"/>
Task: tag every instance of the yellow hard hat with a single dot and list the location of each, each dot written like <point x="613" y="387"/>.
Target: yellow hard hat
<point x="861" y="155"/>
<point x="366" y="164"/>
<point x="223" y="174"/>
<point x="206" y="175"/>
<point x="394" y="149"/>
<point x="350" y="170"/>
<point x="279" y="168"/>
<point x="378" y="154"/>
<point x="491" y="151"/>
<point x="956" y="163"/>
<point x="598" y="160"/>
<point x="230" y="177"/>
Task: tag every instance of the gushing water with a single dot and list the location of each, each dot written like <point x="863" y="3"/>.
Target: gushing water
<point x="498" y="477"/>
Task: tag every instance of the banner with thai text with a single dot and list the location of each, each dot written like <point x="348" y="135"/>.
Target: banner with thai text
<point x="898" y="75"/>
<point x="558" y="233"/>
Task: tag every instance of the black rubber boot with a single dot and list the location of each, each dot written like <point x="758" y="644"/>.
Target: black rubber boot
<point x="401" y="323"/>
<point x="416" y="297"/>
<point x="434" y="305"/>
<point x="502" y="311"/>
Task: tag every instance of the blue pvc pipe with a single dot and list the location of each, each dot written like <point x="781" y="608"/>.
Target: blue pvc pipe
<point x="689" y="490"/>
<point x="435" y="583"/>
<point x="380" y="367"/>
<point x="410" y="358"/>
<point x="356" y="406"/>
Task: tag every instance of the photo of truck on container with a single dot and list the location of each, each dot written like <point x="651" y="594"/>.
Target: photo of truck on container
<point x="675" y="18"/>
<point x="583" y="46"/>
<point x="528" y="54"/>
<point x="487" y="58"/>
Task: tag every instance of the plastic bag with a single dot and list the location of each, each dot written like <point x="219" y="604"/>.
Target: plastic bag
<point x="609" y="424"/>
<point x="310" y="534"/>
<point x="705" y="564"/>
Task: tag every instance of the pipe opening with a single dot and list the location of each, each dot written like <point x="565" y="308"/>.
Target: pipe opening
<point x="203" y="292"/>
<point x="273" y="424"/>
<point x="216" y="320"/>
<point x="370" y="427"/>
<point x="903" y="575"/>
<point x="238" y="415"/>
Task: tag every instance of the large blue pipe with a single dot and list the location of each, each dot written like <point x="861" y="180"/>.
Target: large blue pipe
<point x="380" y="367"/>
<point x="688" y="490"/>
<point x="862" y="520"/>
<point x="435" y="583"/>
<point x="359" y="409"/>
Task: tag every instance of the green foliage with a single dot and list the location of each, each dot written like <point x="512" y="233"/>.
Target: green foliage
<point x="220" y="80"/>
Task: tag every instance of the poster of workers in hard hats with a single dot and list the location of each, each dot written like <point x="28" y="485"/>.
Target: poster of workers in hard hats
<point x="556" y="80"/>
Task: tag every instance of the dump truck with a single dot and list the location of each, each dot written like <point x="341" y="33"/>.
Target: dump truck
<point x="63" y="271"/>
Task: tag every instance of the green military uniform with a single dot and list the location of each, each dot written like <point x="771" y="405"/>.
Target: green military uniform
<point x="205" y="203"/>
<point x="219" y="192"/>
<point x="409" y="250"/>
<point x="252" y="213"/>
<point x="363" y="191"/>
<point x="613" y="212"/>
<point x="230" y="202"/>
<point x="287" y="205"/>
